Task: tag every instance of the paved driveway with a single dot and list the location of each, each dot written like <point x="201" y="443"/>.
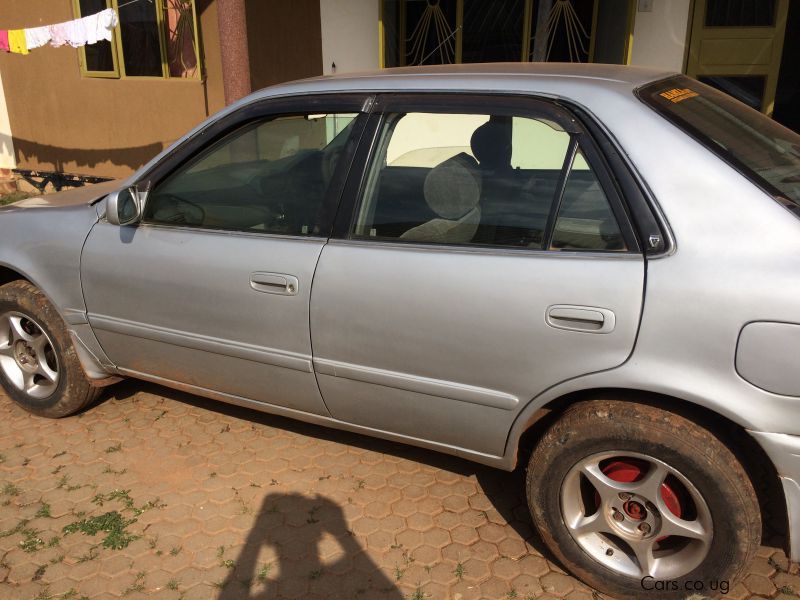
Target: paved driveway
<point x="157" y="493"/>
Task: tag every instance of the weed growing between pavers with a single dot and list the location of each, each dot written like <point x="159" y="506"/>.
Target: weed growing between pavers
<point x="113" y="523"/>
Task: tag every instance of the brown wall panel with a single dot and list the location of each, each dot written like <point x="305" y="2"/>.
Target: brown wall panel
<point x="109" y="127"/>
<point x="285" y="40"/>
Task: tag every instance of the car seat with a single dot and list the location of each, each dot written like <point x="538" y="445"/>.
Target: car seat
<point x="452" y="190"/>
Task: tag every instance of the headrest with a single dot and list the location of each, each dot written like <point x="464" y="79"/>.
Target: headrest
<point x="491" y="145"/>
<point x="453" y="187"/>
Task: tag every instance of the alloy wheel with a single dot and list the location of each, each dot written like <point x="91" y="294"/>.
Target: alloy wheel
<point x="27" y="356"/>
<point x="636" y="515"/>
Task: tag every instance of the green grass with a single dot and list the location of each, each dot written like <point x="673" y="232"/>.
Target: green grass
<point x="137" y="585"/>
<point x="14" y="197"/>
<point x="32" y="541"/>
<point x="263" y="572"/>
<point x="9" y="489"/>
<point x="112" y="523"/>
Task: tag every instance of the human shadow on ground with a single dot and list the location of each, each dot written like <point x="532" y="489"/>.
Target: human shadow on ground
<point x="310" y="552"/>
<point x="505" y="491"/>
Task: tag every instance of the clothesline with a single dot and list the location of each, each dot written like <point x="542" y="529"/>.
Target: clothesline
<point x="124" y="4"/>
<point x="76" y="33"/>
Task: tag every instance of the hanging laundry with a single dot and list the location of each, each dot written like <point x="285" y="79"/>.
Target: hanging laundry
<point x="16" y="41"/>
<point x="36" y="37"/>
<point x="76" y="33"/>
<point x="71" y="32"/>
<point x="100" y="26"/>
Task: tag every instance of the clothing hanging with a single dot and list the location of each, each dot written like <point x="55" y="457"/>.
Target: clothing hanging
<point x="16" y="41"/>
<point x="75" y="33"/>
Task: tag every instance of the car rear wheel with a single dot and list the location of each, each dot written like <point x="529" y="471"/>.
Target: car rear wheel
<point x="641" y="502"/>
<point x="39" y="369"/>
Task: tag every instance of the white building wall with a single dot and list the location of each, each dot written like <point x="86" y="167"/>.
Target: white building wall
<point x="7" y="160"/>
<point x="349" y="35"/>
<point x="659" y="36"/>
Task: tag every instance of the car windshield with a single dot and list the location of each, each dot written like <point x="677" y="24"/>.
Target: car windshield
<point x="765" y="151"/>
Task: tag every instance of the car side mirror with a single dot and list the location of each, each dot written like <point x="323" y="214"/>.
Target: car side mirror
<point x="122" y="207"/>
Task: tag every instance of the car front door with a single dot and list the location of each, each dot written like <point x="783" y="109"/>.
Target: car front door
<point x="487" y="257"/>
<point x="211" y="289"/>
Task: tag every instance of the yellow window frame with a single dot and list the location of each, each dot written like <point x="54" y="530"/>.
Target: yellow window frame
<point x="85" y="72"/>
<point x="116" y="46"/>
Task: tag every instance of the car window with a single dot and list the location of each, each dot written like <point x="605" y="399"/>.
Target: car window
<point x="270" y="176"/>
<point x="585" y="220"/>
<point x="483" y="179"/>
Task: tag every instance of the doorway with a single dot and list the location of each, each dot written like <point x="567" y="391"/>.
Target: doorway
<point x="736" y="46"/>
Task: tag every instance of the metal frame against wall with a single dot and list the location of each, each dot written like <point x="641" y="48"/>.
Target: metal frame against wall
<point x="116" y="47"/>
<point x="527" y="31"/>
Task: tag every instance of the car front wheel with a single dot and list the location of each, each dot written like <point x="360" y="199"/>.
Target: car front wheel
<point x="640" y="502"/>
<point x="39" y="369"/>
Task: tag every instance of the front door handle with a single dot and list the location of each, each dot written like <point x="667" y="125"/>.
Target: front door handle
<point x="587" y="319"/>
<point x="274" y="283"/>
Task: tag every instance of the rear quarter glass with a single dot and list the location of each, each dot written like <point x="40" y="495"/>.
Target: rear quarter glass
<point x="764" y="151"/>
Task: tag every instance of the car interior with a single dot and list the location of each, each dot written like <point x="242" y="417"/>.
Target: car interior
<point x="273" y="177"/>
<point x="476" y="196"/>
<point x="238" y="186"/>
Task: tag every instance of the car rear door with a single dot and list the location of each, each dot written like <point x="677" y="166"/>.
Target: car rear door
<point x="212" y="288"/>
<point x="486" y="257"/>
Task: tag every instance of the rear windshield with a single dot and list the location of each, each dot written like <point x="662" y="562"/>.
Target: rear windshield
<point x="761" y="149"/>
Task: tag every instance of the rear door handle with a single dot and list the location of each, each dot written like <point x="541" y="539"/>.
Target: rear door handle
<point x="274" y="283"/>
<point x="587" y="319"/>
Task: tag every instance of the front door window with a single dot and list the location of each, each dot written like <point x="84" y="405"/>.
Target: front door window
<point x="269" y="176"/>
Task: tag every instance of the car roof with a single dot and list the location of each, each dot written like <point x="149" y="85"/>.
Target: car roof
<point x="477" y="76"/>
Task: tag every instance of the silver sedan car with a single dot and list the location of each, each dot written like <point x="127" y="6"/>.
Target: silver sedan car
<point x="587" y="271"/>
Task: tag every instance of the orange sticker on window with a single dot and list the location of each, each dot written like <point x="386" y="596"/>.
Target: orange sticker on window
<point x="678" y="95"/>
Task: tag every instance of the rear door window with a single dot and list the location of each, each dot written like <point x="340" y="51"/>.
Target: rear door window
<point x="484" y="179"/>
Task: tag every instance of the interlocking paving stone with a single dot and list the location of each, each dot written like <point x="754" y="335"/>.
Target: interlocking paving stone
<point x="156" y="493"/>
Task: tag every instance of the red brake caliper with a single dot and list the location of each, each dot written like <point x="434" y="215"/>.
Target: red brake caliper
<point x="630" y="470"/>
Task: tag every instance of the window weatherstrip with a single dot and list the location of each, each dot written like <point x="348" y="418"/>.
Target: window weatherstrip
<point x="555" y="207"/>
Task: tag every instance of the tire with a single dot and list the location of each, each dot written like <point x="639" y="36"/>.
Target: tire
<point x="30" y="327"/>
<point x="600" y="449"/>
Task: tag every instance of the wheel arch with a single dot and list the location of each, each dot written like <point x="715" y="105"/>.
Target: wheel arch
<point x="7" y="275"/>
<point x="758" y="466"/>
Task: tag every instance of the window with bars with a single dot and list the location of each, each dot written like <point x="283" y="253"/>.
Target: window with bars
<point x="424" y="32"/>
<point x="154" y="38"/>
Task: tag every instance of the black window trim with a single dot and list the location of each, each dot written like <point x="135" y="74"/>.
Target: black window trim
<point x="219" y="129"/>
<point x="650" y="225"/>
<point x="519" y="105"/>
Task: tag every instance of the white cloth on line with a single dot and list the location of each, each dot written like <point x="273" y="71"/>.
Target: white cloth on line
<point x="70" y="32"/>
<point x="88" y="30"/>
<point x="36" y="37"/>
<point x="99" y="26"/>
